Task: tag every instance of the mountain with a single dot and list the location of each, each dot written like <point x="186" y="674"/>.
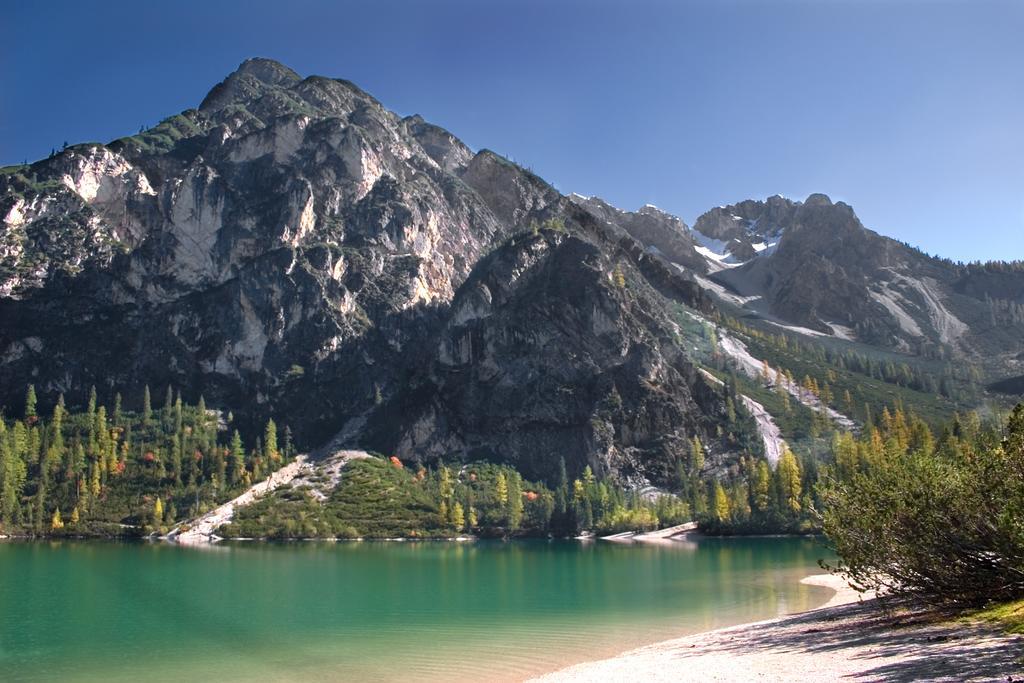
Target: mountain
<point x="294" y="248"/>
<point x="291" y="248"/>
<point x="662" y="233"/>
<point x="813" y="264"/>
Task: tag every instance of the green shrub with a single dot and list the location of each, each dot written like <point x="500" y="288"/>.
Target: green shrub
<point x="945" y="524"/>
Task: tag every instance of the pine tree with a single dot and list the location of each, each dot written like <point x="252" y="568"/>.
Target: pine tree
<point x="94" y="480"/>
<point x="30" y="404"/>
<point x="697" y="453"/>
<point x="270" y="441"/>
<point x="458" y="516"/>
<point x="288" y="442"/>
<point x="179" y="416"/>
<point x="117" y="409"/>
<point x="158" y="512"/>
<point x="562" y="490"/>
<point x="13" y="473"/>
<point x="147" y="406"/>
<point x="74" y="515"/>
<point x="56" y="522"/>
<point x="762" y="487"/>
<point x="175" y="456"/>
<point x="165" y="411"/>
<point x="582" y="510"/>
<point x="237" y="458"/>
<point x="442" y="513"/>
<point x="787" y="472"/>
<point x="699" y="498"/>
<point x="739" y="502"/>
<point x="720" y="503"/>
<point x="515" y="501"/>
<point x="445" y="485"/>
<point x="501" y="490"/>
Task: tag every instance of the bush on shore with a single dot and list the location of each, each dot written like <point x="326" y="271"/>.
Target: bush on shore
<point x="944" y="523"/>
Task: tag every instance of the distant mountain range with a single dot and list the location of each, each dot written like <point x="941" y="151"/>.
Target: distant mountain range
<point x="293" y="247"/>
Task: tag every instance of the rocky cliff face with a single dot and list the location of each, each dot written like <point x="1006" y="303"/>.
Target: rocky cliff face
<point x="294" y="247"/>
<point x="826" y="272"/>
<point x="660" y="232"/>
<point x="743" y="230"/>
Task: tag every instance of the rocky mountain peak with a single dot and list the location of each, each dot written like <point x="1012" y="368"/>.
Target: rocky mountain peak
<point x="295" y="248"/>
<point x="253" y="78"/>
<point x="655" y="229"/>
<point x="817" y="199"/>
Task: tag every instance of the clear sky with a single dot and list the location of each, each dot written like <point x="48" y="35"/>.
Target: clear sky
<point x="913" y="112"/>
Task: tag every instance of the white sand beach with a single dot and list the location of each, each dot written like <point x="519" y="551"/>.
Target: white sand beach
<point x="846" y="639"/>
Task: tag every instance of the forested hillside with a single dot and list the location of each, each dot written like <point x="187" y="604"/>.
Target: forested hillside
<point x="112" y="472"/>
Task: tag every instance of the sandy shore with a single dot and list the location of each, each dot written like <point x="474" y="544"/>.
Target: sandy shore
<point x="846" y="639"/>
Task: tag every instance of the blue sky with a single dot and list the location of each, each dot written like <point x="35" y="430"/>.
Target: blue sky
<point x="913" y="112"/>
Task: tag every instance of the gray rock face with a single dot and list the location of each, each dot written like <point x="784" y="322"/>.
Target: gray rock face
<point x="829" y="273"/>
<point x="741" y="226"/>
<point x="541" y="353"/>
<point x="653" y="228"/>
<point x="293" y="247"/>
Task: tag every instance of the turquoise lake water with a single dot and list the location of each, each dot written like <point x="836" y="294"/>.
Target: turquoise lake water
<point x="375" y="611"/>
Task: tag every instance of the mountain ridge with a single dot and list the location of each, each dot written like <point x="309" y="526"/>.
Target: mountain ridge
<point x="293" y="246"/>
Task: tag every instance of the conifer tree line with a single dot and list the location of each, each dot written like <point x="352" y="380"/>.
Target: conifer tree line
<point x="957" y="381"/>
<point x="109" y="471"/>
<point x="755" y="498"/>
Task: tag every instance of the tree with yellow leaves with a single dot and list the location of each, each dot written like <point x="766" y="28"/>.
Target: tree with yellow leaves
<point x="618" y="277"/>
<point x="458" y="516"/>
<point x="501" y="489"/>
<point x="787" y="473"/>
<point x="720" y="503"/>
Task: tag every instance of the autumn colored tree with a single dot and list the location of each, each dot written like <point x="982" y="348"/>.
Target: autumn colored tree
<point x="270" y="441"/>
<point x="787" y="473"/>
<point x="458" y="516"/>
<point x="720" y="502"/>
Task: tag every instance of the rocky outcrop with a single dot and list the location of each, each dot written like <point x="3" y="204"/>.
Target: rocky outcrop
<point x="542" y="353"/>
<point x="656" y="230"/>
<point x="743" y="230"/>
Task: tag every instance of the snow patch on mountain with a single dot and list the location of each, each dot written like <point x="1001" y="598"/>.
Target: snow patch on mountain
<point x="714" y="248"/>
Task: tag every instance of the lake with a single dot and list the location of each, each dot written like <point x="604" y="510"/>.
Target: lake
<point x="375" y="611"/>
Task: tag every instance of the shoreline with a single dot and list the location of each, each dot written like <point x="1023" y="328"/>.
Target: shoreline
<point x="846" y="637"/>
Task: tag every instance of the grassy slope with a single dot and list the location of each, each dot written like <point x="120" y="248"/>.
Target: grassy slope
<point x="1009" y="616"/>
